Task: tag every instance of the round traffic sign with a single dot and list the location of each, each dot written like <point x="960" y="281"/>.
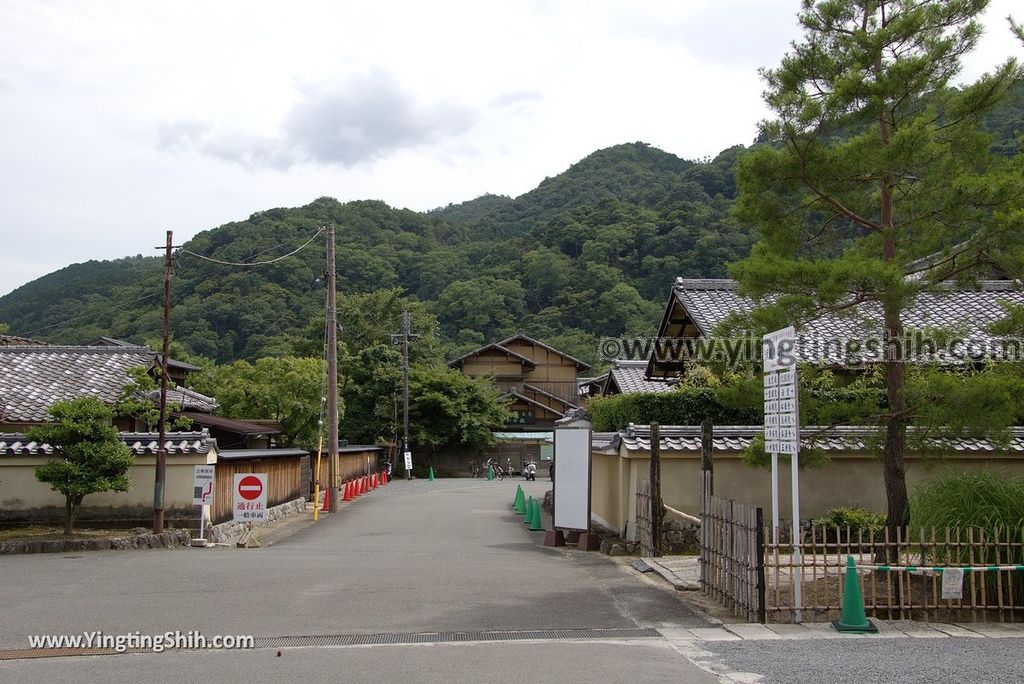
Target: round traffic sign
<point x="250" y="487"/>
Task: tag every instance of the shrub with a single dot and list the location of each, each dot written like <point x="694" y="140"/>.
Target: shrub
<point x="983" y="500"/>
<point x="861" y="523"/>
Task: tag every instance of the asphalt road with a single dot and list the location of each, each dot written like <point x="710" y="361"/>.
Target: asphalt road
<point x="444" y="556"/>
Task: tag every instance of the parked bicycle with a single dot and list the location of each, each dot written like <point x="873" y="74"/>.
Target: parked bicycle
<point x="495" y="469"/>
<point x="474" y="468"/>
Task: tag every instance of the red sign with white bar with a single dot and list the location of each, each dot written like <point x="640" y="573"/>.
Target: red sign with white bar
<point x="250" y="500"/>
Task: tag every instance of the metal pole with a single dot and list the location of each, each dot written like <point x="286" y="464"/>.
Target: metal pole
<point x="405" y="382"/>
<point x="332" y="375"/>
<point x="775" y="499"/>
<point x="794" y="483"/>
<point x="160" y="476"/>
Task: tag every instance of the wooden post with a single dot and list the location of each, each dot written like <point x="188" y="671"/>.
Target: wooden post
<point x="160" y="475"/>
<point x="707" y="489"/>
<point x="657" y="509"/>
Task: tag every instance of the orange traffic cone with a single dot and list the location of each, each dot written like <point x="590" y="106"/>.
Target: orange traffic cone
<point x="327" y="500"/>
<point x="348" y="492"/>
<point x="376" y="482"/>
<point x="383" y="477"/>
<point x="362" y="485"/>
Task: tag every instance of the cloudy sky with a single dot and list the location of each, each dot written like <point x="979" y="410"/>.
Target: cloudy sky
<point x="119" y="120"/>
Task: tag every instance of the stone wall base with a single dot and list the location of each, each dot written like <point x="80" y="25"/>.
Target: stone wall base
<point x="227" y="531"/>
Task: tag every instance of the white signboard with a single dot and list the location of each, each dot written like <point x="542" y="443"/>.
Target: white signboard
<point x="202" y="485"/>
<point x="952" y="583"/>
<point x="572" y="479"/>
<point x="250" y="502"/>
<point x="408" y="460"/>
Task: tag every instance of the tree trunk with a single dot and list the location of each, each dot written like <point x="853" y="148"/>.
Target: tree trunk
<point x="71" y="507"/>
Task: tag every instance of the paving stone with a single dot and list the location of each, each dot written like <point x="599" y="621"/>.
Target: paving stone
<point x="790" y="631"/>
<point x="713" y="634"/>
<point x="994" y="630"/>
<point x="751" y="631"/>
<point x="957" y="631"/>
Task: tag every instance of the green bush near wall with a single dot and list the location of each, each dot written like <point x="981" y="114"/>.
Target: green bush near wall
<point x="682" y="406"/>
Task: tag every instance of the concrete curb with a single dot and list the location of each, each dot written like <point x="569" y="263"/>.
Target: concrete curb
<point x="144" y="540"/>
<point x="823" y="630"/>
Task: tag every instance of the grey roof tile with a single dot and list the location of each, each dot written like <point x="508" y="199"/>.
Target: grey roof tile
<point x="628" y="377"/>
<point x="141" y="443"/>
<point x="710" y="301"/>
<point x="836" y="439"/>
<point x="34" y="378"/>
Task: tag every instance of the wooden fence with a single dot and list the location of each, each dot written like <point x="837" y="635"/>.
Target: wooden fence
<point x="901" y="575"/>
<point x="644" y="525"/>
<point x="732" y="556"/>
<point x="287" y="479"/>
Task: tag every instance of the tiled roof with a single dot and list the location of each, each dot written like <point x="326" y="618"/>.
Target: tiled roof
<point x="709" y="302"/>
<point x="533" y="402"/>
<point x="456" y="362"/>
<point x="189" y="400"/>
<point x="141" y="443"/>
<point x="737" y="438"/>
<point x="628" y="377"/>
<point x="242" y="427"/>
<point x="15" y="341"/>
<point x="523" y="337"/>
<point x="33" y="378"/>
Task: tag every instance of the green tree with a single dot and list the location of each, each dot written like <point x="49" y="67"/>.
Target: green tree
<point x="92" y="458"/>
<point x="286" y="389"/>
<point x="449" y="409"/>
<point x="134" y="402"/>
<point x="873" y="162"/>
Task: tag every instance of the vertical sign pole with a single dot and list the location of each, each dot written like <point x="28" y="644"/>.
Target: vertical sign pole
<point x="775" y="499"/>
<point x="795" y="485"/>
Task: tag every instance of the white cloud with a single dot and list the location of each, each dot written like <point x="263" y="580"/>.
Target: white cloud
<point x="123" y="119"/>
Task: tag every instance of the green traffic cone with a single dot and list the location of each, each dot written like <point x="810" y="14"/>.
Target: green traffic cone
<point x="527" y="511"/>
<point x="490" y="473"/>
<point x="517" y="503"/>
<point x="535" y="521"/>
<point x="431" y="476"/>
<point x="853" y="618"/>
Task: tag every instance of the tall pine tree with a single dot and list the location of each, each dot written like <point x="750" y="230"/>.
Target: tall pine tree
<point x="875" y="160"/>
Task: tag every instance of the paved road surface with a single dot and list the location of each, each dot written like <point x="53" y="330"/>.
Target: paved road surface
<point x="440" y="556"/>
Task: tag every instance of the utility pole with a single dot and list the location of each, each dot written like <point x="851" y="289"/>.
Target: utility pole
<point x="403" y="339"/>
<point x="332" y="374"/>
<point x="161" y="450"/>
<point x="405" y="383"/>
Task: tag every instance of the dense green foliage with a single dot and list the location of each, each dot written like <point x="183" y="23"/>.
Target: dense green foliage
<point x="588" y="253"/>
<point x="286" y="389"/>
<point x="850" y="523"/>
<point x="873" y="163"/>
<point x="90" y="455"/>
<point x="682" y="406"/>
<point x="984" y="500"/>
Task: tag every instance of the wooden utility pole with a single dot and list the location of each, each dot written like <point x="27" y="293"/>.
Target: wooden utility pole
<point x="161" y="450"/>
<point x="405" y="387"/>
<point x="657" y="507"/>
<point x="332" y="374"/>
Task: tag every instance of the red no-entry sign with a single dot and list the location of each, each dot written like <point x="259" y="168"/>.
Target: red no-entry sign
<point x="250" y="488"/>
<point x="250" y="504"/>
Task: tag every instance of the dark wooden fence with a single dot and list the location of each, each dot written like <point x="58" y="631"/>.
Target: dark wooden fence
<point x="732" y="550"/>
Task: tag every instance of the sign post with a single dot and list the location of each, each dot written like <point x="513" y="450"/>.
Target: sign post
<point x="202" y="493"/>
<point x="408" y="462"/>
<point x="571" y="487"/>
<point x="782" y="434"/>
<point x="250" y="503"/>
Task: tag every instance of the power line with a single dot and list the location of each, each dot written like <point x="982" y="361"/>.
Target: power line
<point x="248" y="264"/>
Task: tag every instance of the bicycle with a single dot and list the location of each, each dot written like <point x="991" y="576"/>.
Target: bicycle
<point x="499" y="474"/>
<point x="474" y="469"/>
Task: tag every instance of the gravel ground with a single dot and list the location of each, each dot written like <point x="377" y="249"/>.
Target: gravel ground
<point x="907" y="661"/>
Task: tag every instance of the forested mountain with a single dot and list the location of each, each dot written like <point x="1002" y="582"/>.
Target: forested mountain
<point x="587" y="253"/>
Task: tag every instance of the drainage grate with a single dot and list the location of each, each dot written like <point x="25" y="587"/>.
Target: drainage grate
<point x="457" y="637"/>
<point x="616" y="633"/>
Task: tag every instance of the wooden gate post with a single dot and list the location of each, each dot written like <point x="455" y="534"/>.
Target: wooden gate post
<point x="657" y="507"/>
